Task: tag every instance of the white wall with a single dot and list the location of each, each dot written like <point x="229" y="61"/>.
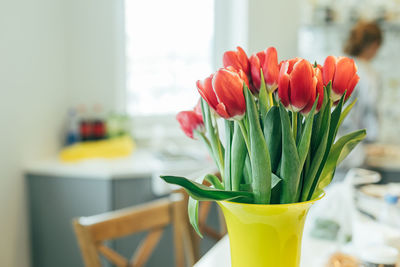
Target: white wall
<point x="256" y="25"/>
<point x="274" y="23"/>
<point x="95" y="52"/>
<point x="32" y="103"/>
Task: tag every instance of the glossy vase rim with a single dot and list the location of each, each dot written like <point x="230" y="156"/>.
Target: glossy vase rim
<point x="278" y="205"/>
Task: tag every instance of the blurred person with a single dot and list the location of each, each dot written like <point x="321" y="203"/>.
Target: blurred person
<point x="363" y="43"/>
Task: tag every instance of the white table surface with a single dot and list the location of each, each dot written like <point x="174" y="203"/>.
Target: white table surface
<point x="314" y="253"/>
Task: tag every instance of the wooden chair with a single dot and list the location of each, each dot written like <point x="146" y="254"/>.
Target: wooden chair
<point x="153" y="217"/>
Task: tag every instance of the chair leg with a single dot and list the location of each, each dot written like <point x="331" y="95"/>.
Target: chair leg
<point x="182" y="238"/>
<point x="89" y="252"/>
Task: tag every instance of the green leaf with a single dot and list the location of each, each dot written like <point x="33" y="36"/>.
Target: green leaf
<point x="263" y="96"/>
<point x="275" y="182"/>
<point x="202" y="192"/>
<point x="214" y="180"/>
<point x="304" y="145"/>
<point x="333" y="129"/>
<point x="346" y="111"/>
<point x="193" y="212"/>
<point x="245" y="187"/>
<point x="218" y="153"/>
<point x="276" y="189"/>
<point x="247" y="175"/>
<point x="238" y="157"/>
<point x="259" y="155"/>
<point x="318" y="155"/>
<point x="339" y="151"/>
<point x="290" y="165"/>
<point x="228" y="147"/>
<point x="273" y="136"/>
<point x="317" y="133"/>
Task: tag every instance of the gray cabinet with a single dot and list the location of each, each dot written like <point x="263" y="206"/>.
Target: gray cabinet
<point x="54" y="201"/>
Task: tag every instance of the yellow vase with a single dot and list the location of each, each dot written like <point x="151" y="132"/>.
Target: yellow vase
<point x="265" y="235"/>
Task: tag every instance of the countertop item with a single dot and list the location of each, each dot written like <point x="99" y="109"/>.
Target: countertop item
<point x="378" y="255"/>
<point x="383" y="156"/>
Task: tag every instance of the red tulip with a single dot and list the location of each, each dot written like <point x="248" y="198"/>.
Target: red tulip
<point x="266" y="60"/>
<point x="190" y="121"/>
<point x="237" y="59"/>
<point x="241" y="74"/>
<point x="319" y="91"/>
<point x="224" y="93"/>
<point x="197" y="110"/>
<point x="297" y="84"/>
<point x="342" y="72"/>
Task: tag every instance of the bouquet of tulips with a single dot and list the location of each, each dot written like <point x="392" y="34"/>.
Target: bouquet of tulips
<point x="281" y="121"/>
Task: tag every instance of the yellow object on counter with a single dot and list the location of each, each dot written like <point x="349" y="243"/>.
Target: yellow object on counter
<point x="111" y="148"/>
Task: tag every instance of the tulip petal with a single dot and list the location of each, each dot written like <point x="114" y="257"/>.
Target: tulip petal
<point x="198" y="111"/>
<point x="320" y="87"/>
<point x="271" y="69"/>
<point x="228" y="87"/>
<point x="189" y="121"/>
<point x="255" y="71"/>
<point x="292" y="62"/>
<point x="328" y="70"/>
<point x="230" y="59"/>
<point x="312" y="98"/>
<point x="221" y="110"/>
<point x="301" y="84"/>
<point x="283" y="85"/>
<point x="352" y="85"/>
<point x="243" y="59"/>
<point x="345" y="71"/>
<point x="207" y="92"/>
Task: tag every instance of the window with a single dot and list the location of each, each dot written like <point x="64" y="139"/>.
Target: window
<point x="169" y="47"/>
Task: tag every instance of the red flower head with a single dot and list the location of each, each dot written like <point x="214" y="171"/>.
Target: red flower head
<point x="190" y="121"/>
<point x="319" y="91"/>
<point x="266" y="60"/>
<point x="223" y="92"/>
<point x="237" y="59"/>
<point x="197" y="110"/>
<point x="342" y="73"/>
<point x="297" y="84"/>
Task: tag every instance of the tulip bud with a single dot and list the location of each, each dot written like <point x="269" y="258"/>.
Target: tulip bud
<point x="207" y="92"/>
<point x="319" y="91"/>
<point x="342" y="73"/>
<point x="198" y="111"/>
<point x="237" y="59"/>
<point x="297" y="84"/>
<point x="190" y="122"/>
<point x="223" y="92"/>
<point x="266" y="60"/>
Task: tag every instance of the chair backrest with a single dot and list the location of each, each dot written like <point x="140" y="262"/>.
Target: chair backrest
<point x="153" y="217"/>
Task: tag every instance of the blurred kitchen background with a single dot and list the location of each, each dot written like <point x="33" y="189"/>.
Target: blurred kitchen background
<point x="87" y="70"/>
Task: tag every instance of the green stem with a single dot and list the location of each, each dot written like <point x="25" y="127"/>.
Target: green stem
<point x="294" y="125"/>
<point x="218" y="145"/>
<point x="228" y="161"/>
<point x="245" y="135"/>
<point x="271" y="100"/>
<point x="215" y="143"/>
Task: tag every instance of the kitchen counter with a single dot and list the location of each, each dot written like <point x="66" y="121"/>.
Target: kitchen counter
<point x="142" y="163"/>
